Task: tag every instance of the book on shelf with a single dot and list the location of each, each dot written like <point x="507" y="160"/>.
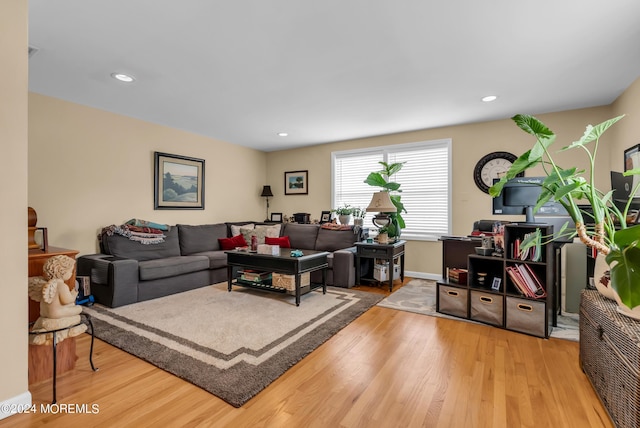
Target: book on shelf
<point x="533" y="253"/>
<point x="254" y="276"/>
<point x="526" y="281"/>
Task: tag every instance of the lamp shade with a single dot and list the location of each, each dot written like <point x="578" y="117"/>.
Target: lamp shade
<point x="266" y="191"/>
<point x="381" y="202"/>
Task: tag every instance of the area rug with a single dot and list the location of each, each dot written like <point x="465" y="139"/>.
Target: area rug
<point x="419" y="296"/>
<point x="232" y="344"/>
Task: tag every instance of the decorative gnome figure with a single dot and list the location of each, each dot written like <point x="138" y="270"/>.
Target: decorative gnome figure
<point x="58" y="307"/>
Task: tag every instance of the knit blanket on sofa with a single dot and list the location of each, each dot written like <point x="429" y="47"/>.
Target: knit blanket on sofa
<point x="143" y="235"/>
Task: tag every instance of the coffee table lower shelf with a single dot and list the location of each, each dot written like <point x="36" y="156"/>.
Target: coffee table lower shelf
<point x="268" y="287"/>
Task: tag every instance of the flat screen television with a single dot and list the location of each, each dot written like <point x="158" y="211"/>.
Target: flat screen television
<point x="520" y="195"/>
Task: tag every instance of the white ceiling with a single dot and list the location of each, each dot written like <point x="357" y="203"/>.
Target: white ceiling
<point x="329" y="70"/>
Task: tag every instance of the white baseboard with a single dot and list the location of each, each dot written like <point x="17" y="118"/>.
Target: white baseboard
<point x="423" y="275"/>
<point x="13" y="405"/>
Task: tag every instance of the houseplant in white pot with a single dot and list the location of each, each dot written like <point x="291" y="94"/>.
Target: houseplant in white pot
<point x="610" y="234"/>
<point x="382" y="179"/>
<point x="344" y="214"/>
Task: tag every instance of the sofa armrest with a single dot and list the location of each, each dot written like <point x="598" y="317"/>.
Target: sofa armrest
<point x="344" y="271"/>
<point x="114" y="280"/>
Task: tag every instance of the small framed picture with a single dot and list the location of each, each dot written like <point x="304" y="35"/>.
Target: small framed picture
<point x="325" y="217"/>
<point x="296" y="183"/>
<point x="276" y="217"/>
<point x="495" y="285"/>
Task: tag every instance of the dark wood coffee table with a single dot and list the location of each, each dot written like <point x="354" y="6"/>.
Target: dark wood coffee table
<point x="283" y="263"/>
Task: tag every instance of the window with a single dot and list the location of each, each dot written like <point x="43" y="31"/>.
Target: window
<point x="424" y="179"/>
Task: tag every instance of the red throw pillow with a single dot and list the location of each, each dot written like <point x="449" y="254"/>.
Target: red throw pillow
<point x="282" y="241"/>
<point x="232" y="243"/>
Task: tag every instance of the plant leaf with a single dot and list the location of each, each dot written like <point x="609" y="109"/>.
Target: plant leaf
<point x="592" y="133"/>
<point x="392" y="186"/>
<point x="533" y="126"/>
<point x="629" y="172"/>
<point x="375" y="179"/>
<point x="538" y="150"/>
<point x="393" y="168"/>
<point x="625" y="274"/>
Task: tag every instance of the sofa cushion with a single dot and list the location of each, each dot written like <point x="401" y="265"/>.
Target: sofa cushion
<point x="236" y="229"/>
<point x="227" y="244"/>
<point x="282" y="241"/>
<point x="233" y="228"/>
<point x="217" y="259"/>
<point x="332" y="240"/>
<point x="260" y="232"/>
<point x="302" y="236"/>
<point x="196" y="239"/>
<point x="120" y="246"/>
<point x="171" y="266"/>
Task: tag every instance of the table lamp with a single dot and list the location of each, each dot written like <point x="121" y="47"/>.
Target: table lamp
<point x="266" y="192"/>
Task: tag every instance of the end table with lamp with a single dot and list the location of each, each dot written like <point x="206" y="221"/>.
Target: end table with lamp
<point x="389" y="252"/>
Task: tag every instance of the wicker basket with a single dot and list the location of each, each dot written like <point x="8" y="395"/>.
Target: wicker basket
<point x="610" y="357"/>
<point x="288" y="282"/>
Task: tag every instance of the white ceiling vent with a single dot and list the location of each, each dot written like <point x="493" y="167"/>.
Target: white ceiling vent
<point x="32" y="51"/>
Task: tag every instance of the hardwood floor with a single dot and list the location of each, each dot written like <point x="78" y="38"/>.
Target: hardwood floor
<point x="386" y="369"/>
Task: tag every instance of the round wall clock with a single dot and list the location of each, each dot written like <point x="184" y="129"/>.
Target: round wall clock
<point x="491" y="166"/>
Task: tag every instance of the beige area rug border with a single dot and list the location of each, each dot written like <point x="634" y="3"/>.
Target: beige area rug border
<point x="239" y="375"/>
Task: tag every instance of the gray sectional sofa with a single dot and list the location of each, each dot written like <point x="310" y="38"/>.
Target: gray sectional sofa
<point x="127" y="271"/>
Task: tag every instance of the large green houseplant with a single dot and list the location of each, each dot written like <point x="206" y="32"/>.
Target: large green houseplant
<point x="610" y="233"/>
<point x="382" y="179"/>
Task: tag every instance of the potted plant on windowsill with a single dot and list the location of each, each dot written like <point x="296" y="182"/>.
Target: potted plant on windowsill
<point x="610" y="234"/>
<point x="358" y="216"/>
<point x="344" y="213"/>
<point x="382" y="179"/>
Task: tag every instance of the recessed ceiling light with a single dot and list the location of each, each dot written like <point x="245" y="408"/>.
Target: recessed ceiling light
<point x="282" y="134"/>
<point x="489" y="98"/>
<point x="123" y="77"/>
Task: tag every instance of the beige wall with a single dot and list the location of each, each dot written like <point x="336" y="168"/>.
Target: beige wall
<point x="627" y="131"/>
<point x="469" y="143"/>
<point x="89" y="168"/>
<point x="13" y="215"/>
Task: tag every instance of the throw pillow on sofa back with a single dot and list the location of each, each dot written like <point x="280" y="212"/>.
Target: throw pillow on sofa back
<point x="260" y="232"/>
<point x="282" y="241"/>
<point x="227" y="244"/>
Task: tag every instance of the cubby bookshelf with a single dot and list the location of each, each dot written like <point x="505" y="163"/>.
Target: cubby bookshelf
<point x="515" y="292"/>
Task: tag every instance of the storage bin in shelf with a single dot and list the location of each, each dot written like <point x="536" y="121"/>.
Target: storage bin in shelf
<point x="526" y="316"/>
<point x="487" y="307"/>
<point x="453" y="301"/>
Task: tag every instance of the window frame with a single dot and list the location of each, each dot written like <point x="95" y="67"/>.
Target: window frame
<point x="385" y="152"/>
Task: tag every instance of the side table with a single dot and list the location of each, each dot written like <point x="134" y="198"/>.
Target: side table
<point x="388" y="252"/>
<point x="54" y="347"/>
<point x="40" y="357"/>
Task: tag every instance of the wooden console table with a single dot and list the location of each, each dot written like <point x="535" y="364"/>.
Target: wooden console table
<point x="41" y="357"/>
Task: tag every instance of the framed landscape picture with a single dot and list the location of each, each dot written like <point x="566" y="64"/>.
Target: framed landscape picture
<point x="296" y="182"/>
<point x="178" y="182"/>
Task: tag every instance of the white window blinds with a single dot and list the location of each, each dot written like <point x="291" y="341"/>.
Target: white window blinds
<point x="424" y="179"/>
